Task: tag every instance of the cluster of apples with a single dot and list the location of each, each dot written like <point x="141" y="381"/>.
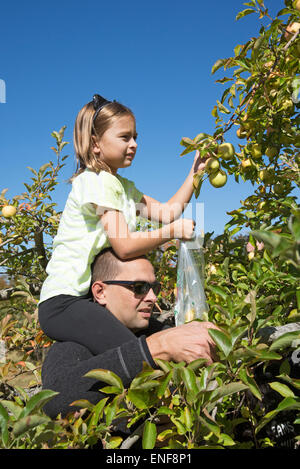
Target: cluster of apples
<point x="217" y="175"/>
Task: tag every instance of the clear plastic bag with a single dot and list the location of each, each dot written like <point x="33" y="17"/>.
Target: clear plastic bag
<point x="190" y="299"/>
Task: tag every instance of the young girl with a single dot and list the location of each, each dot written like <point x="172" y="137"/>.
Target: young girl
<point x="101" y="211"/>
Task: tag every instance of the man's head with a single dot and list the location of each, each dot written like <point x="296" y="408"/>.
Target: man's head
<point x="133" y="310"/>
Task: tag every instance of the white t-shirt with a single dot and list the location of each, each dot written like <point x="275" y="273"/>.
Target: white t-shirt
<point x="80" y="236"/>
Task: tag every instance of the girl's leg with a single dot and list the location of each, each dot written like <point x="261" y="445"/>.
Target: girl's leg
<point x="79" y="319"/>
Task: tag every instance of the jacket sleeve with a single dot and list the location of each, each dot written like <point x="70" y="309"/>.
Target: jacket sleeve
<point x="67" y="362"/>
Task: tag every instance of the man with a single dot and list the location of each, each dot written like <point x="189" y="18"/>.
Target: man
<point x="127" y="290"/>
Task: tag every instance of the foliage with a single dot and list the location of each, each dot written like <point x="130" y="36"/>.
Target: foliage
<point x="251" y="281"/>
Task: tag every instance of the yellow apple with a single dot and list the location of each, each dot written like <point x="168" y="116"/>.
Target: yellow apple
<point x="291" y="29"/>
<point x="256" y="151"/>
<point x="241" y="133"/>
<point x="190" y="315"/>
<point x="212" y="164"/>
<point x="225" y="151"/>
<point x="218" y="178"/>
<point x="296" y="4"/>
<point x="9" y="211"/>
<point x="212" y="269"/>
<point x="247" y="163"/>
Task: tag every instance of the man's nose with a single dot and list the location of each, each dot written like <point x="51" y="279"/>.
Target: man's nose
<point x="151" y="296"/>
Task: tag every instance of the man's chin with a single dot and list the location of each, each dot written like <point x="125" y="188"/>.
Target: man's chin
<point x="144" y="324"/>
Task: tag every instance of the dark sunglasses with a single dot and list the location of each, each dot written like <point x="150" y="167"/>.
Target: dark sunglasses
<point x="139" y="287"/>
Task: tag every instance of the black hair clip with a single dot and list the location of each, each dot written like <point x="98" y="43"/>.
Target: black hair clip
<point x="98" y="102"/>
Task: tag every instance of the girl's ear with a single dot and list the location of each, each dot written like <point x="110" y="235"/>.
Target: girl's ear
<point x="98" y="291"/>
<point x="95" y="145"/>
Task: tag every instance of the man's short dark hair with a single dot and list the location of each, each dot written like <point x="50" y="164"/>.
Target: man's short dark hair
<point x="106" y="265"/>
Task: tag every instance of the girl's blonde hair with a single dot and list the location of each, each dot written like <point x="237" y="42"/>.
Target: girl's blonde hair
<point x="85" y="129"/>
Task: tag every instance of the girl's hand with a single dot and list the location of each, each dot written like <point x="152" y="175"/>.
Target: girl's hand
<point x="184" y="229"/>
<point x="199" y="162"/>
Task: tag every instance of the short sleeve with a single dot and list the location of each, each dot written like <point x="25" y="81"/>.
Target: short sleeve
<point x="103" y="190"/>
<point x="131" y="190"/>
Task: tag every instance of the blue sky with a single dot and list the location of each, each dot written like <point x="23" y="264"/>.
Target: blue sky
<point x="154" y="56"/>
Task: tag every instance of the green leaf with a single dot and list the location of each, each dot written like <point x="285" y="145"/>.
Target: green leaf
<point x="138" y="398"/>
<point x="285" y="340"/>
<point x="221" y="340"/>
<point x="189" y="379"/>
<point x="218" y="64"/>
<point x="163" y="385"/>
<point x="4" y="417"/>
<point x="37" y="401"/>
<point x="106" y="376"/>
<point x="243" y="13"/>
<point x="164" y="410"/>
<point x="282" y="389"/>
<point x="28" y="423"/>
<point x="83" y="403"/>
<point x="226" y="390"/>
<point x="250" y="382"/>
<point x="149" y="435"/>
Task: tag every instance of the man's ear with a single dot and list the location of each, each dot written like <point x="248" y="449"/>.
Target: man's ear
<point x="98" y="291"/>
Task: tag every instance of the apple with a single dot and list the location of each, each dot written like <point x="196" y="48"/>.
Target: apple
<point x="296" y="4"/>
<point x="251" y="255"/>
<point x="190" y="315"/>
<point x="256" y="151"/>
<point x="267" y="176"/>
<point x="218" y="178"/>
<point x="212" y="164"/>
<point x="225" y="151"/>
<point x="247" y="163"/>
<point x="288" y="106"/>
<point x="241" y="133"/>
<point x="290" y="30"/>
<point x="9" y="211"/>
<point x="271" y="152"/>
<point x="212" y="269"/>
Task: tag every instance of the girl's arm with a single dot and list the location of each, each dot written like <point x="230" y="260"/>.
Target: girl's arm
<point x="127" y="244"/>
<point x="169" y="211"/>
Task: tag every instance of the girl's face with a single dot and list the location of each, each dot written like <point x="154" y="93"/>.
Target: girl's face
<point x="117" y="146"/>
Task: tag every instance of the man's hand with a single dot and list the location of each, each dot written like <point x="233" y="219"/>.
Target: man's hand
<point x="183" y="343"/>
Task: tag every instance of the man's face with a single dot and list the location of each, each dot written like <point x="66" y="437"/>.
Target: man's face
<point x="132" y="310"/>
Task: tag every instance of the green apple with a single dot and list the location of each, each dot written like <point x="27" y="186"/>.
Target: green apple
<point x="271" y="152"/>
<point x="288" y="106"/>
<point x="9" y="211"/>
<point x="225" y="151"/>
<point x="212" y="164"/>
<point x="218" y="178"/>
<point x="256" y="151"/>
<point x="267" y="175"/>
